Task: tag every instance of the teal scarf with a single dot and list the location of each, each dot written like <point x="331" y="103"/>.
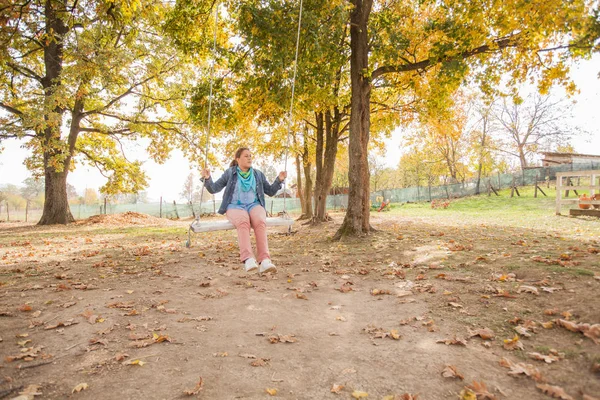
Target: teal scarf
<point x="247" y="180"/>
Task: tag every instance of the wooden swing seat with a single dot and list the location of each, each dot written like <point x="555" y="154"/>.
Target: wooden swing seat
<point x="224" y="225"/>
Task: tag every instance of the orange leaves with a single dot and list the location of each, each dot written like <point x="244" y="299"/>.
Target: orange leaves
<point x="301" y="296"/>
<point x="513" y="344"/>
<point x="476" y="391"/>
<point x="589" y="331"/>
<point x="261" y="362"/>
<point x="80" y="387"/>
<point x="378" y="292"/>
<point x="450" y="371"/>
<point x="282" y="339"/>
<point x="25" y="308"/>
<point x="337" y="389"/>
<point x="68" y="322"/>
<point x="554" y="391"/>
<point x="528" y="289"/>
<point x="346" y="287"/>
<point x="196" y="389"/>
<point x="27" y="354"/>
<point x="548" y="359"/>
<point x="522" y="369"/>
<point x="454" y="341"/>
<point x="380" y="333"/>
<point x="142" y="251"/>
<point x="485" y="333"/>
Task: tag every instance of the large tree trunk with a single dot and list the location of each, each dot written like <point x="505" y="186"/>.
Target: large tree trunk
<point x="356" y="222"/>
<point x="332" y="133"/>
<point x="56" y="162"/>
<point x="56" y="206"/>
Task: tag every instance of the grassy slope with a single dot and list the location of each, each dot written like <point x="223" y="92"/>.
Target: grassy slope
<point x="524" y="212"/>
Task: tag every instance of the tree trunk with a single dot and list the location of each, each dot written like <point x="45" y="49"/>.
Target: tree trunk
<point x="307" y="179"/>
<point x="332" y="133"/>
<point x="56" y="163"/>
<point x="522" y="157"/>
<point x="308" y="189"/>
<point x="356" y="222"/>
<point x="319" y="200"/>
<point x="56" y="206"/>
<point x="299" y="190"/>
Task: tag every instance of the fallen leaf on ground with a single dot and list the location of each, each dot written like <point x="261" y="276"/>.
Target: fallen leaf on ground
<point x="484" y="333"/>
<point x="521" y="330"/>
<point x="68" y="322"/>
<point x="481" y="391"/>
<point x="554" y="391"/>
<point x="272" y="392"/>
<point x="357" y="394"/>
<point x="261" y="362"/>
<point x="451" y="372"/>
<point x="454" y="341"/>
<point x="196" y="390"/>
<point x="513" y="344"/>
<point x="528" y="289"/>
<point x="134" y="362"/>
<point x="522" y="369"/>
<point x="80" y="387"/>
<point x="336" y="388"/>
<point x="541" y="357"/>
<point x="376" y="292"/>
<point x="282" y="339"/>
<point x="30" y="391"/>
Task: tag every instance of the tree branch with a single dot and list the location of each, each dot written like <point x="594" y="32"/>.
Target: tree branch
<point x="422" y="65"/>
<point x="11" y="109"/>
<point x="25" y="71"/>
<point x="122" y="95"/>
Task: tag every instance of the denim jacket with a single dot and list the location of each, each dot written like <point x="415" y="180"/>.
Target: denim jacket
<point x="228" y="181"/>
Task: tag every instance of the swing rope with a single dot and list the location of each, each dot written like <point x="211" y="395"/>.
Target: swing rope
<point x="210" y="96"/>
<point x="290" y="114"/>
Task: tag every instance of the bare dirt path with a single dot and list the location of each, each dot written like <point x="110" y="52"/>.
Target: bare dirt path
<point x="131" y="313"/>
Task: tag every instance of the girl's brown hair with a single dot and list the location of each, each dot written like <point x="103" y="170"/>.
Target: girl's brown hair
<point x="238" y="154"/>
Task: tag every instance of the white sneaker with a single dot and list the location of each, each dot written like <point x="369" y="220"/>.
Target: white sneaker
<point x="267" y="266"/>
<point x="250" y="265"/>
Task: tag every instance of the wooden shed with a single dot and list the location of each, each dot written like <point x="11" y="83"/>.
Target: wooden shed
<point x="551" y="159"/>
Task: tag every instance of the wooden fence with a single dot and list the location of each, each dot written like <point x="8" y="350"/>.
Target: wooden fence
<point x="571" y="181"/>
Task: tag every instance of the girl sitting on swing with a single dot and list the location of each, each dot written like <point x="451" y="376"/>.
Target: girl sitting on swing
<point x="244" y="205"/>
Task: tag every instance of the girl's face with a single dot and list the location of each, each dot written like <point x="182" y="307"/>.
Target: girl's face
<point x="245" y="160"/>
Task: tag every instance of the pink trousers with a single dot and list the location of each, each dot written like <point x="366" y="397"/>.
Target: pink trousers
<point x="257" y="219"/>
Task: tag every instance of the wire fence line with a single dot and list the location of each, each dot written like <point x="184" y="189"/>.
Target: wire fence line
<point x="174" y="210"/>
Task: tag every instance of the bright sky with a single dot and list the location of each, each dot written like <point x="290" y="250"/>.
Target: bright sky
<point x="167" y="180"/>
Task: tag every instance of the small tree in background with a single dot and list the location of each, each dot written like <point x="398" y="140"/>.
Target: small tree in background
<point x="32" y="191"/>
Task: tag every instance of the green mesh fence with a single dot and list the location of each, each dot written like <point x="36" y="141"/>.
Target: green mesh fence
<point x="334" y="202"/>
<point x="526" y="177"/>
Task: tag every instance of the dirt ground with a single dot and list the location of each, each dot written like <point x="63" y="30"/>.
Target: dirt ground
<point x="121" y="309"/>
